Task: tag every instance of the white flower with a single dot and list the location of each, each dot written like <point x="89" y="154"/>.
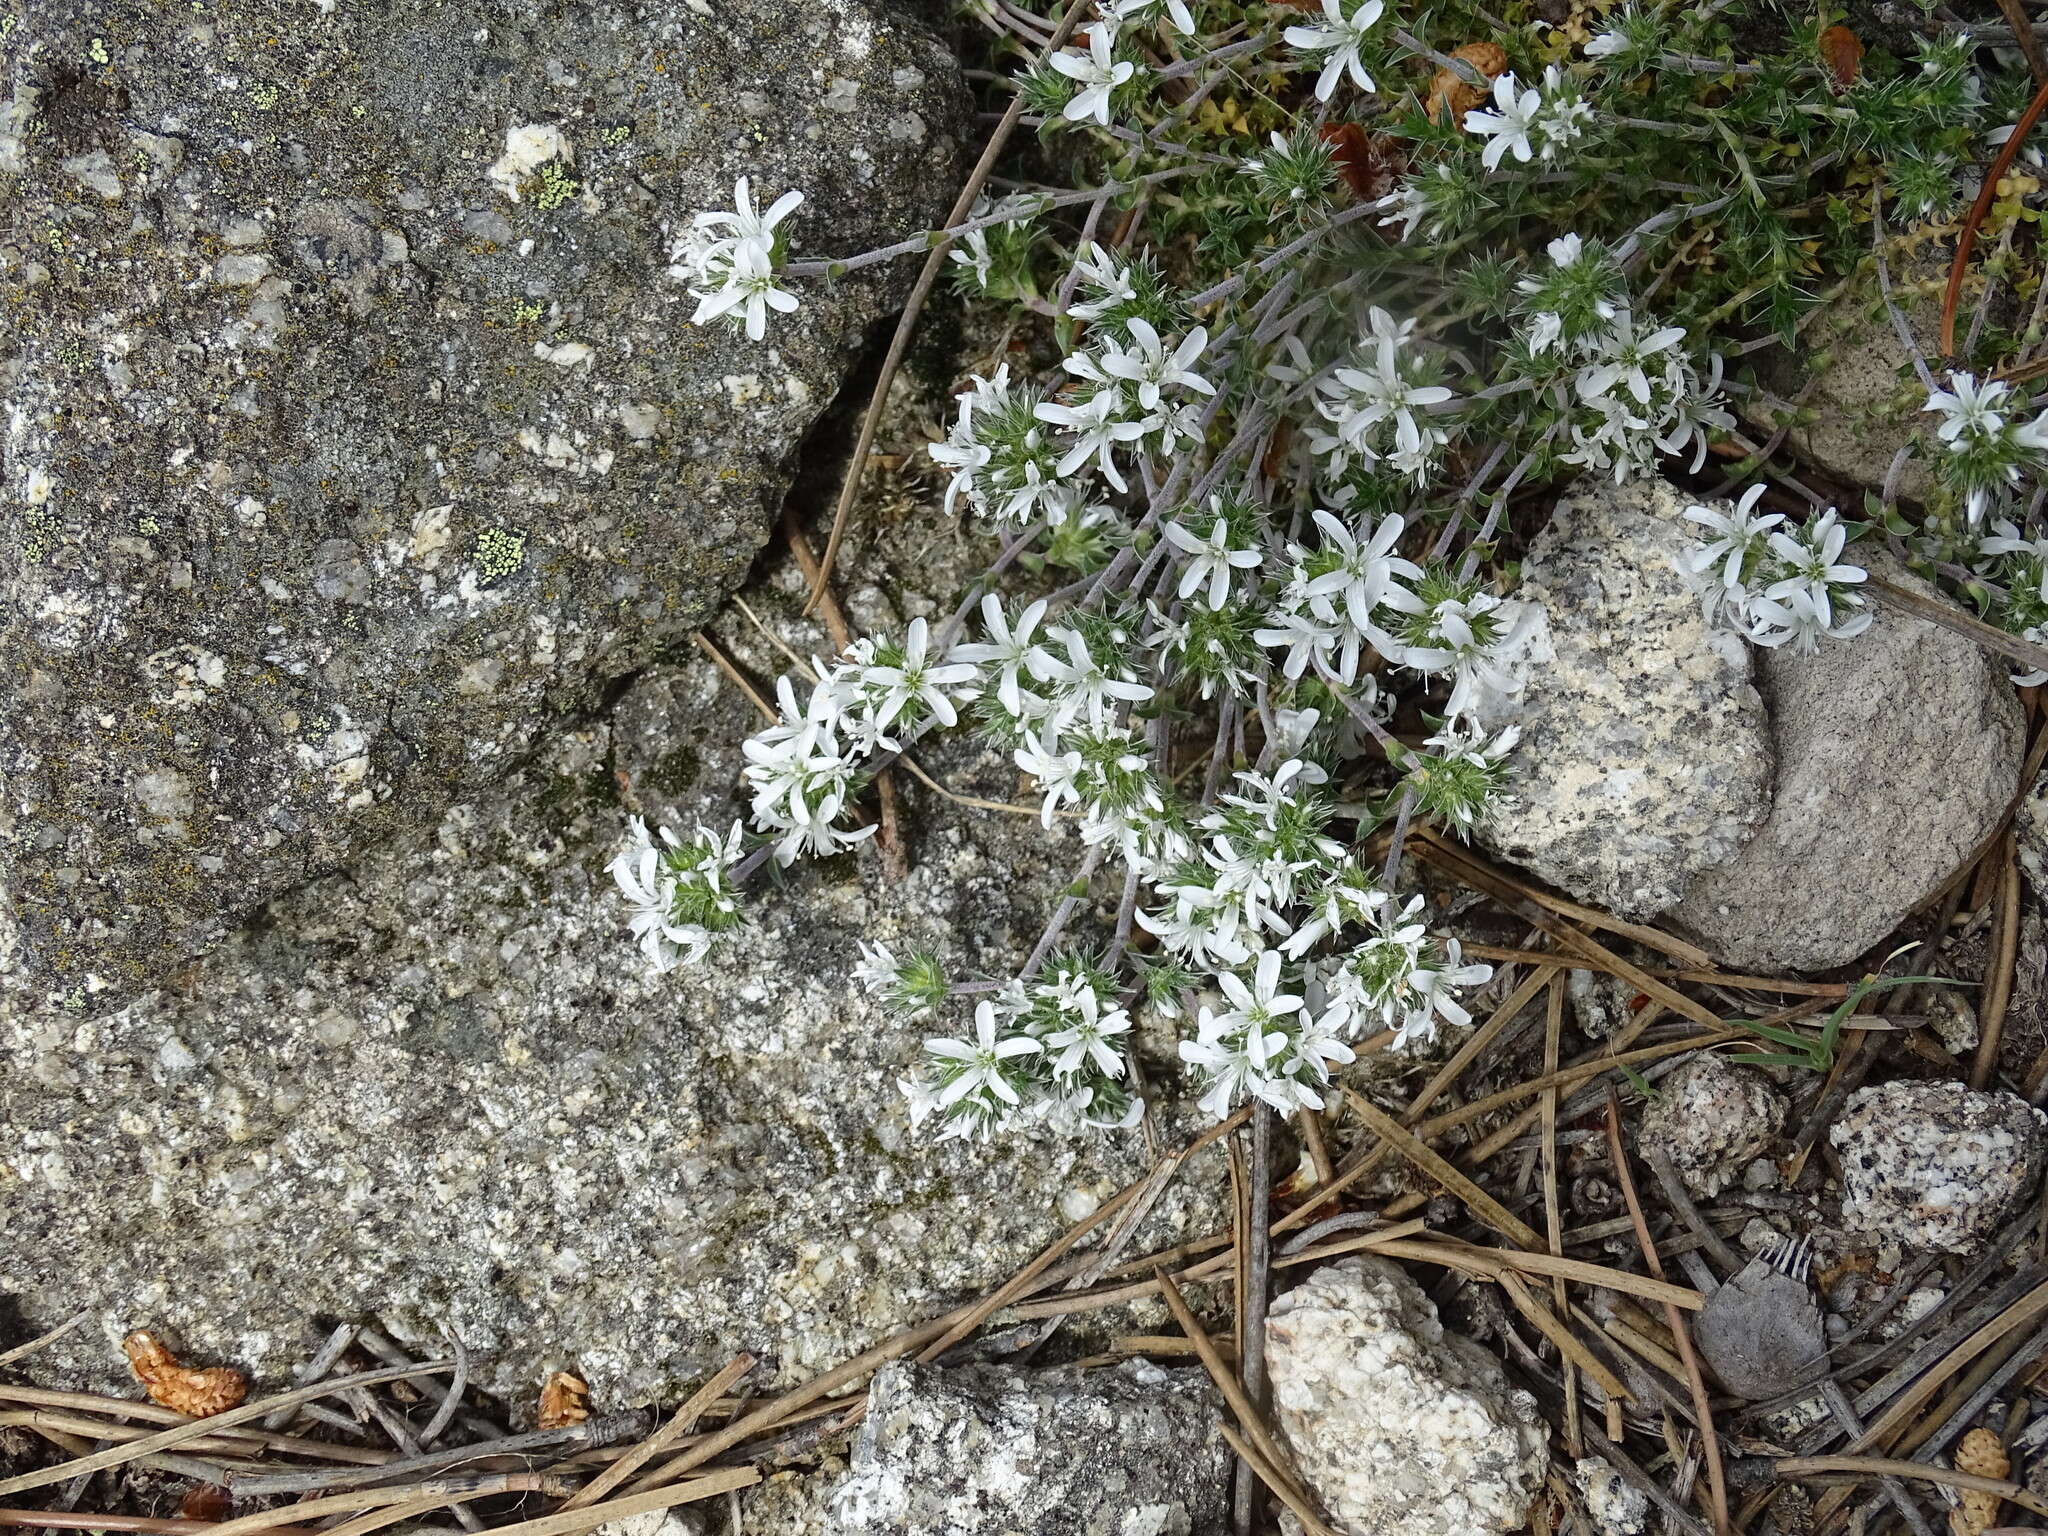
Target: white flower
<point x="1097" y="425"/>
<point x="1083" y="684"/>
<point x="1087" y="1040"/>
<point x="878" y="968"/>
<point x="1430" y="988"/>
<point x="1136" y="12"/>
<point x="1107" y="278"/>
<point x="1212" y="559"/>
<point x="1737" y="534"/>
<point x="1057" y="773"/>
<point x="1147" y="364"/>
<point x="1260" y="1005"/>
<point x="746" y="226"/>
<point x="980" y="1063"/>
<point x="677" y="892"/>
<point x="1340" y="37"/>
<point x="1968" y="409"/>
<point x="1626" y="359"/>
<point x="1614" y="40"/>
<point x="1507" y="128"/>
<point x="1367" y="573"/>
<point x="2005" y="539"/>
<point x="1096" y="72"/>
<point x="1805" y="603"/>
<point x="1009" y="650"/>
<point x="918" y="679"/>
<point x="749" y="292"/>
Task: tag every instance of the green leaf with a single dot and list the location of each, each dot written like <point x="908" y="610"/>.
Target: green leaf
<point x="1770" y="1059"/>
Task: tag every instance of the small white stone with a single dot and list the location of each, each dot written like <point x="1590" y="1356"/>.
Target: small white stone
<point x="528" y="147"/>
<point x="1399" y="1428"/>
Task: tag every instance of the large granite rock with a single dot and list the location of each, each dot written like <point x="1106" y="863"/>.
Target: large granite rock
<point x="1644" y="758"/>
<point x="444" y="1089"/>
<point x="1897" y="752"/>
<point x="354" y="426"/>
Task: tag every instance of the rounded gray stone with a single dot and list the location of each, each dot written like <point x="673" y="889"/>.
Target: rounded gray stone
<point x="1897" y="752"/>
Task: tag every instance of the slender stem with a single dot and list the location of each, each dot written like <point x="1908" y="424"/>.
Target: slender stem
<point x="907" y="323"/>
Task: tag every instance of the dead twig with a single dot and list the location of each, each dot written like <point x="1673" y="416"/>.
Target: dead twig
<point x="1710" y="1443"/>
<point x="680" y="1423"/>
<point x="1999" y="971"/>
<point x="196" y="1429"/>
<point x="1986" y="194"/>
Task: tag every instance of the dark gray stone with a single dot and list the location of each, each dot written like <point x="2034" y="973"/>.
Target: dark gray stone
<point x="348" y="442"/>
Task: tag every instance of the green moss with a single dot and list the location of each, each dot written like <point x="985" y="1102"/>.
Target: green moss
<point x="498" y="554"/>
<point x="551" y="187"/>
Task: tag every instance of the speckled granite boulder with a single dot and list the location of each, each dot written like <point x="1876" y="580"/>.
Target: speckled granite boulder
<point x="1934" y="1165"/>
<point x="1398" y="1427"/>
<point x="981" y="1451"/>
<point x="1712" y="1118"/>
<point x="1644" y="758"/>
<point x="1897" y="752"/>
<point x="354" y="424"/>
<point x="444" y="1089"/>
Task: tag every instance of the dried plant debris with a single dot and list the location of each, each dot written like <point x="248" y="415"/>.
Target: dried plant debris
<point x="1762" y="1332"/>
<point x="564" y="1400"/>
<point x="197" y="1392"/>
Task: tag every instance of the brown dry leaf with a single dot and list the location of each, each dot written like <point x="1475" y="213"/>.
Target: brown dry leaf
<point x="208" y="1501"/>
<point x="564" y="1401"/>
<point x="1372" y="165"/>
<point x="1981" y="1453"/>
<point x="198" y="1394"/>
<point x="1447" y="91"/>
<point x="1842" y="51"/>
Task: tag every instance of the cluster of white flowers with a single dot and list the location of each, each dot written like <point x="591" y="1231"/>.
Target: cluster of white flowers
<point x="1530" y="123"/>
<point x="803" y="768"/>
<point x="729" y="261"/>
<point x="1634" y="390"/>
<point x="1985" y="445"/>
<point x="1283" y="581"/>
<point x="1052" y="1049"/>
<point x="1774" y="584"/>
<point x="678" y="892"/>
<point x="1133" y="394"/>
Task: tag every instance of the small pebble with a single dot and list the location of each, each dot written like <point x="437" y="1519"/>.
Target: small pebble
<point x="1615" y="1505"/>
<point x="1712" y="1117"/>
